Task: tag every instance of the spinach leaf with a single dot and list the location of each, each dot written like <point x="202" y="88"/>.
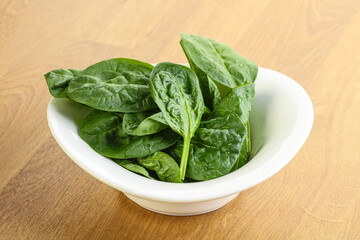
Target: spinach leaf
<point x="117" y="85"/>
<point x="165" y="166"/>
<point x="175" y="89"/>
<point x="210" y="91"/>
<point x="58" y="81"/>
<point x="215" y="147"/>
<point x="219" y="61"/>
<point x="103" y="132"/>
<point x="144" y="123"/>
<point x="133" y="166"/>
<point x="245" y="149"/>
<point x="239" y="101"/>
<point x="207" y="110"/>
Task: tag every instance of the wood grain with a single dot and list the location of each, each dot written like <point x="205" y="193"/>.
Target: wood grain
<point x="44" y="195"/>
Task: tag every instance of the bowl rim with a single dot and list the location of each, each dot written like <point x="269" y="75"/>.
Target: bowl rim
<point x="207" y="190"/>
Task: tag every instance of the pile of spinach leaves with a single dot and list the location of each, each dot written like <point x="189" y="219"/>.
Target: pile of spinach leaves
<point x="169" y="122"/>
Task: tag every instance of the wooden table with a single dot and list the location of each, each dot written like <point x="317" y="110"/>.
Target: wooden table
<point x="44" y="195"/>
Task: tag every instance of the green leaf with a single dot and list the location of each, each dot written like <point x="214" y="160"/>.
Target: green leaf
<point x="245" y="151"/>
<point x="219" y="61"/>
<point x="210" y="91"/>
<point x="133" y="166"/>
<point x="176" y="91"/>
<point x="103" y="132"/>
<point x="165" y="166"/>
<point x="144" y="123"/>
<point x="117" y="85"/>
<point x="58" y="81"/>
<point x="215" y="147"/>
<point x="239" y="101"/>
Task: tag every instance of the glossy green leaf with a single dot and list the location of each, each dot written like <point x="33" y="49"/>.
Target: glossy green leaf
<point x="133" y="166"/>
<point x="103" y="132"/>
<point x="144" y="123"/>
<point x="58" y="81"/>
<point x="117" y="85"/>
<point x="176" y="91"/>
<point x="210" y="91"/>
<point x="219" y="61"/>
<point x="239" y="101"/>
<point x="165" y="166"/>
<point x="215" y="147"/>
<point x="244" y="152"/>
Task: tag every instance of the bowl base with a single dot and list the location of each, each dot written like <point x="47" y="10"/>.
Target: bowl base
<point x="182" y="209"/>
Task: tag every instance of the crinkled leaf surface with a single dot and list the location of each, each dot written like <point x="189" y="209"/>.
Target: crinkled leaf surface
<point x="133" y="166"/>
<point x="239" y="101"/>
<point x="118" y="85"/>
<point x="58" y="81"/>
<point x="209" y="89"/>
<point x="215" y="147"/>
<point x="176" y="90"/>
<point x="165" y="166"/>
<point x="144" y="123"/>
<point x="103" y="132"/>
<point x="219" y="61"/>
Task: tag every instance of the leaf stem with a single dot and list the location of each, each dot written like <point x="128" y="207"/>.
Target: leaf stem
<point x="184" y="157"/>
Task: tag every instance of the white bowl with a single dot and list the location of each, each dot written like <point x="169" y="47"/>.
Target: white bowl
<point x="281" y="120"/>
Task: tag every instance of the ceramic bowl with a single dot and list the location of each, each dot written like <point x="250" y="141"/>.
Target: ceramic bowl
<point x="281" y="119"/>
